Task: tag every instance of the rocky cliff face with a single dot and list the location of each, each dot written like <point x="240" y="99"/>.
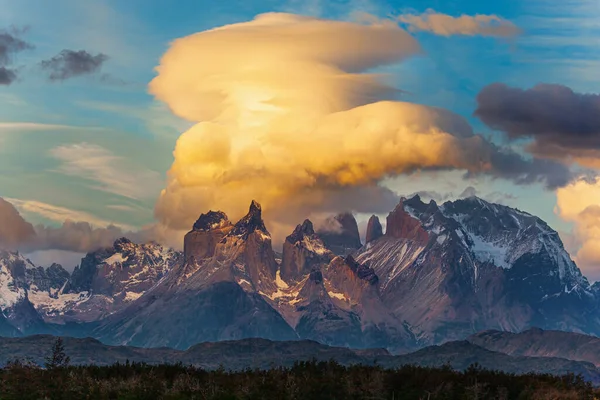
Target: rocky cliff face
<point x="469" y="265"/>
<point x="216" y="297"/>
<point x="374" y="229"/>
<point x="303" y="251"/>
<point x="17" y="314"/>
<point x="201" y="241"/>
<point x="106" y="281"/>
<point x="340" y="234"/>
<point x="438" y="273"/>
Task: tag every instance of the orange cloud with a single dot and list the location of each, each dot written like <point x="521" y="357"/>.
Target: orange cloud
<point x="287" y="113"/>
<point x="467" y="25"/>
<point x="580" y="203"/>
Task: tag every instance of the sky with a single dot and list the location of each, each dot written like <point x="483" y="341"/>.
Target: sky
<point x="495" y="99"/>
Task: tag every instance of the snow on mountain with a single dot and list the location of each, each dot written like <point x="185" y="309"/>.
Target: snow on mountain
<point x="106" y="281"/>
<point x="15" y="307"/>
<point x="11" y="291"/>
<point x="438" y="273"/>
<point x="469" y="265"/>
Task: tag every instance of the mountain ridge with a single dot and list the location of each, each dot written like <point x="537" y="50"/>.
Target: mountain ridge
<point x="437" y="273"/>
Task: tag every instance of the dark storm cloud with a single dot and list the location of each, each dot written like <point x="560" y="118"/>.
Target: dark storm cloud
<point x="7" y="76"/>
<point x="507" y="164"/>
<point x="70" y="64"/>
<point x="553" y="115"/>
<point x="11" y="43"/>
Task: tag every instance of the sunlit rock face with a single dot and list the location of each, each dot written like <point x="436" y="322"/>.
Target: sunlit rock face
<point x="220" y="292"/>
<point x="209" y="229"/>
<point x="437" y="273"/>
<point x="303" y="251"/>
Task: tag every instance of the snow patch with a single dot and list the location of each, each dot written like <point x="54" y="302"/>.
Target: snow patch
<point x="114" y="259"/>
<point x="132" y="296"/>
<point x="497" y="253"/>
<point x="314" y="246"/>
<point x="56" y="304"/>
<point x="336" y="295"/>
<point x="280" y="282"/>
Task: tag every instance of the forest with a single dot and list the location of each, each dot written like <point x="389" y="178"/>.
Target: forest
<point x="312" y="380"/>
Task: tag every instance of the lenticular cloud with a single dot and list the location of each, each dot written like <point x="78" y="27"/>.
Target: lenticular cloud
<point x="288" y="113"/>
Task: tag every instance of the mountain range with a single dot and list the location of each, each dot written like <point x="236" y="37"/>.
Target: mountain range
<point x="265" y="354"/>
<point x="436" y="273"/>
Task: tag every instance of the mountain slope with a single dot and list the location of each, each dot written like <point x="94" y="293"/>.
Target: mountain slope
<point x="106" y="281"/>
<point x="214" y="295"/>
<point x="262" y="353"/>
<point x="469" y="265"/>
<point x="540" y="343"/>
<point x="17" y="313"/>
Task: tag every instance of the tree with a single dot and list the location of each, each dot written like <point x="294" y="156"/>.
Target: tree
<point x="58" y="358"/>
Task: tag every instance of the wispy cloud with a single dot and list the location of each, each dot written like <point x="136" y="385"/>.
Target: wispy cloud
<point x="157" y="117"/>
<point x="35" y="126"/>
<point x="107" y="171"/>
<point x="61" y="214"/>
<point x="564" y="36"/>
<point x="466" y="25"/>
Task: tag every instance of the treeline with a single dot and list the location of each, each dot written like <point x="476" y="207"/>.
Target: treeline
<point x="305" y="380"/>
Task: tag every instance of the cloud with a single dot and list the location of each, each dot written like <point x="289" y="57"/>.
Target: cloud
<point x="60" y="214"/>
<point x="507" y="164"/>
<point x="78" y="232"/>
<point x="7" y="76"/>
<point x="288" y="115"/>
<point x="34" y="126"/>
<point x="107" y="171"/>
<point x="13" y="227"/>
<point x="74" y="236"/>
<point x="44" y="258"/>
<point x="11" y="43"/>
<point x="562" y="123"/>
<point x="427" y="195"/>
<point x="447" y="25"/>
<point x="469" y="191"/>
<point x="580" y="203"/>
<point x="70" y="64"/>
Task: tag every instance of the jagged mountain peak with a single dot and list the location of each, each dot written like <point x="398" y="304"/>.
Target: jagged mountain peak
<point x="123" y="244"/>
<point x="303" y="230"/>
<point x="255" y="206"/>
<point x="374" y="229"/>
<point x="251" y="222"/>
<point x="211" y="220"/>
<point x="340" y="233"/>
<point x="303" y="250"/>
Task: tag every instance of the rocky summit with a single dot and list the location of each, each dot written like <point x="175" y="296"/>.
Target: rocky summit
<point x="436" y="273"/>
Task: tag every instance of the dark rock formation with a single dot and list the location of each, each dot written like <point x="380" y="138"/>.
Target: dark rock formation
<point x="374" y="229"/>
<point x="340" y="234"/>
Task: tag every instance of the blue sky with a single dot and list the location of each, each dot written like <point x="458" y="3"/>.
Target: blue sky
<point x="46" y="128"/>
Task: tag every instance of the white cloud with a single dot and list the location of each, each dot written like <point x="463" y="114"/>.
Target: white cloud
<point x="35" y="126"/>
<point x="109" y="172"/>
<point x="61" y="214"/>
